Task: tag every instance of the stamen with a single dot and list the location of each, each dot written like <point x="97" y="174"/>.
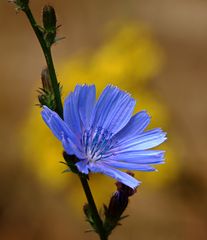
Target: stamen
<point x="96" y="143"/>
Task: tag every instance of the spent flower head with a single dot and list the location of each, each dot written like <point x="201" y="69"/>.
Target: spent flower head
<point x="104" y="135"/>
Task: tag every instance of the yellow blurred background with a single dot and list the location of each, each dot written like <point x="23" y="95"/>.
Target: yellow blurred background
<point x="156" y="50"/>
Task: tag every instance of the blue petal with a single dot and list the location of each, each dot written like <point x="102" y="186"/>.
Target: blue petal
<point x="114" y="173"/>
<point x="135" y="126"/>
<point x="55" y="123"/>
<point x="71" y="112"/>
<point x="146" y="140"/>
<point x="113" y="109"/>
<point x="71" y="148"/>
<point x="82" y="166"/>
<point x="87" y="99"/>
<point x="130" y="166"/>
<point x="139" y="157"/>
<point x="61" y="131"/>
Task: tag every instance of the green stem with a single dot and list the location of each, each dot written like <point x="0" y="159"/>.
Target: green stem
<point x="59" y="110"/>
<point x="98" y="221"/>
<point x="48" y="56"/>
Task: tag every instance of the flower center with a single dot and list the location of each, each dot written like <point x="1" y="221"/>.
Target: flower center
<point x="96" y="143"/>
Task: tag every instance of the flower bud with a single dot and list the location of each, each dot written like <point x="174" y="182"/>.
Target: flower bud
<point x="49" y="23"/>
<point x="117" y="205"/>
<point x="124" y="188"/>
<point x="49" y="18"/>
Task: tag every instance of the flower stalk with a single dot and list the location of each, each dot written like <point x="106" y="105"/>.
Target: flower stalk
<point x="98" y="224"/>
<point x="46" y="48"/>
<point x="96" y="221"/>
<point x="46" y="37"/>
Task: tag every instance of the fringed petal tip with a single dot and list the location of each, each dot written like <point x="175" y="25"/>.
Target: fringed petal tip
<point x="111" y="86"/>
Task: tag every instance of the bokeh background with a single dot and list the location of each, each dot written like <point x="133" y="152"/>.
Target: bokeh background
<point x="154" y="49"/>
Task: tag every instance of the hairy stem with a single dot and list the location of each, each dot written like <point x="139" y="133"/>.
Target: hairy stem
<point x="97" y="219"/>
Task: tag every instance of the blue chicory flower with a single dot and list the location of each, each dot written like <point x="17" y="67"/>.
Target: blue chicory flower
<point x="104" y="135"/>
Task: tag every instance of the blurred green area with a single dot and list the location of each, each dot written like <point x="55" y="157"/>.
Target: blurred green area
<point x="153" y="50"/>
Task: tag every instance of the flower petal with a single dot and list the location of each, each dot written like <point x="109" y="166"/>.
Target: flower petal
<point x="113" y="109"/>
<point x="60" y="129"/>
<point x="82" y="166"/>
<point x="139" y="157"/>
<point x="135" y="126"/>
<point x="130" y="166"/>
<point x="146" y="140"/>
<point x="71" y="113"/>
<point x="114" y="173"/>
<point x="55" y="123"/>
<point x="87" y="99"/>
<point x="71" y="148"/>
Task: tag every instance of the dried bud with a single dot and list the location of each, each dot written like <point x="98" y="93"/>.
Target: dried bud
<point x="117" y="205"/>
<point x="49" y="22"/>
<point x="46" y="94"/>
<point x="46" y="82"/>
<point x="119" y="200"/>
<point x="86" y="209"/>
<point x="126" y="190"/>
